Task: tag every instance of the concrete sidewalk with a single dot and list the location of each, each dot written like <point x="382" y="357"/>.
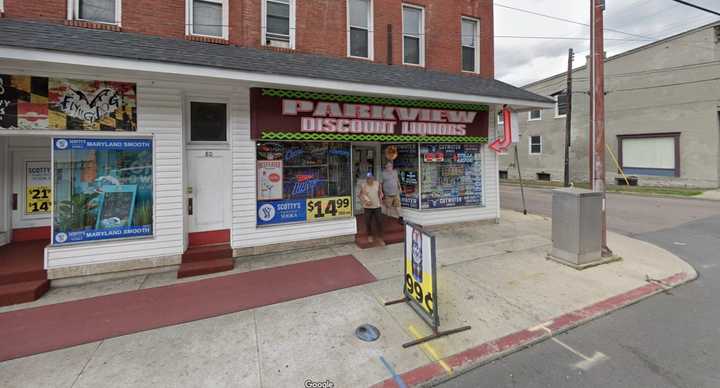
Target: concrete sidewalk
<point x="713" y="195"/>
<point x="493" y="277"/>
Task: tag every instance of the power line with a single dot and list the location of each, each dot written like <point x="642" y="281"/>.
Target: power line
<point x="697" y="7"/>
<point x="570" y="21"/>
<point x="564" y="38"/>
<point x="666" y="85"/>
<point x="694" y="66"/>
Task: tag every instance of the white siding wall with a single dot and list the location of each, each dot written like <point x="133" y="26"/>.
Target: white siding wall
<point x="159" y="113"/>
<point x="244" y="231"/>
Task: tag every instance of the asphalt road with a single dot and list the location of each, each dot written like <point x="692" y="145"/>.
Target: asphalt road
<point x="665" y="341"/>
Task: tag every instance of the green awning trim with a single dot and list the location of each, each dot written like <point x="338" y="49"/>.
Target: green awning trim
<point x="305" y="95"/>
<point x="349" y="137"/>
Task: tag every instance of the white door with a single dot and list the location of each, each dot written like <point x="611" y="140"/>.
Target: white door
<point x="209" y="190"/>
<point x="31" y="189"/>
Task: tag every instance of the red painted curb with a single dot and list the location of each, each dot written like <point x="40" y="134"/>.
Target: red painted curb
<point x="496" y="348"/>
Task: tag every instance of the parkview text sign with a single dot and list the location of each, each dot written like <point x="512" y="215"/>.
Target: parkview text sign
<point x="275" y="112"/>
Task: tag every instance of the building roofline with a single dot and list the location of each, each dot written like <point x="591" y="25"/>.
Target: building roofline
<point x="28" y="40"/>
<point x="629" y="52"/>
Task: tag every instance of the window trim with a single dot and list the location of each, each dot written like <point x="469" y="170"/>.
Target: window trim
<point x="530" y="143"/>
<point x="225" y="16"/>
<point x="190" y="144"/>
<point x="557" y="106"/>
<point x="73" y="12"/>
<point x="674" y="135"/>
<point x="291" y="24"/>
<point x="530" y="118"/>
<point x="477" y="44"/>
<point x="421" y="53"/>
<point x="370" y="30"/>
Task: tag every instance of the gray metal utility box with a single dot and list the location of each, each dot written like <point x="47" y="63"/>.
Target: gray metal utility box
<point x="576" y="223"/>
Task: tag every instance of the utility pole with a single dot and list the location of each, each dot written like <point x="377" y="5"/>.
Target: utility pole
<point x="568" y="117"/>
<point x="597" y="109"/>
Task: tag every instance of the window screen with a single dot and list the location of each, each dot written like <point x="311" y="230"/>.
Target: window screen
<point x="535" y="114"/>
<point x="207" y="18"/>
<point x="97" y="10"/>
<point x="359" y="16"/>
<point x="469" y="44"/>
<point x="208" y="121"/>
<point x="278" y="20"/>
<point x="412" y="34"/>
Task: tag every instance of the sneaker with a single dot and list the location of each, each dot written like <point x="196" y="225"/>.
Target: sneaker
<point x="381" y="243"/>
<point x="371" y="239"/>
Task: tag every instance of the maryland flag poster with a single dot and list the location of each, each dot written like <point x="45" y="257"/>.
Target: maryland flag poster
<point x="28" y="102"/>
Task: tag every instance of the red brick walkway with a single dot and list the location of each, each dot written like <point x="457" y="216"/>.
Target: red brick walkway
<point x="42" y="329"/>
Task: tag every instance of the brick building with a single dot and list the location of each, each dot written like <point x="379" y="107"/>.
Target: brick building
<point x="133" y="133"/>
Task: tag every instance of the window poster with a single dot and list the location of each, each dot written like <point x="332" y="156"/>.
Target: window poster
<point x="270" y="179"/>
<point x="103" y="189"/>
<point x="406" y="164"/>
<point x="302" y="182"/>
<point x="38" y="187"/>
<point x="451" y="175"/>
<point x="30" y="102"/>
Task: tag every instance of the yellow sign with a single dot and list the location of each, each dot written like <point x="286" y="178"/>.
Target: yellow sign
<point x="420" y="276"/>
<point x="320" y="209"/>
<point x="38" y="200"/>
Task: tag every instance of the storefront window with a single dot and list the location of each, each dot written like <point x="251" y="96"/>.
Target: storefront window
<point x="405" y="162"/>
<point x="303" y="182"/>
<point x="103" y="189"/>
<point x="451" y="175"/>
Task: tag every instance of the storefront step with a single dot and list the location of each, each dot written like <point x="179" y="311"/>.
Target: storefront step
<point x="207" y="252"/>
<point x="22" y="292"/>
<point x="393" y="232"/>
<point x="22" y="276"/>
<point x="205" y="267"/>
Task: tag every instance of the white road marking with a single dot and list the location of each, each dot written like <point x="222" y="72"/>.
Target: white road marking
<point x="586" y="363"/>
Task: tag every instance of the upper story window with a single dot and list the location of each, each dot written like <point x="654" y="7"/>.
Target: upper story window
<point x="561" y="104"/>
<point x="535" y="114"/>
<point x="278" y="23"/>
<point x="470" y="38"/>
<point x="208" y="18"/>
<point x="413" y="35"/>
<point x="360" y="28"/>
<point x="100" y="11"/>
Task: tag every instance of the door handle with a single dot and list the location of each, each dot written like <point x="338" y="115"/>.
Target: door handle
<point x="15" y="201"/>
<point x="190" y="206"/>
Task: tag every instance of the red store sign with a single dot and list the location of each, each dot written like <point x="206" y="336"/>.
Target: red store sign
<point x="274" y="112"/>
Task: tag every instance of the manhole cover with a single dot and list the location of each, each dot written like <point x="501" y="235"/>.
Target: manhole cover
<point x="367" y="332"/>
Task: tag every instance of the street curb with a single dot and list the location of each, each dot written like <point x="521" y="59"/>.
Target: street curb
<point x="489" y="351"/>
<point x="651" y="195"/>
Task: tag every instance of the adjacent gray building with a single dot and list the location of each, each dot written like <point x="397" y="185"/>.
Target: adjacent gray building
<point x="663" y="117"/>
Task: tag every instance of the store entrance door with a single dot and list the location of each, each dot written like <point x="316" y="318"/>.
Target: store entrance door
<point x="31" y="193"/>
<point x="209" y="195"/>
<point x="366" y="159"/>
